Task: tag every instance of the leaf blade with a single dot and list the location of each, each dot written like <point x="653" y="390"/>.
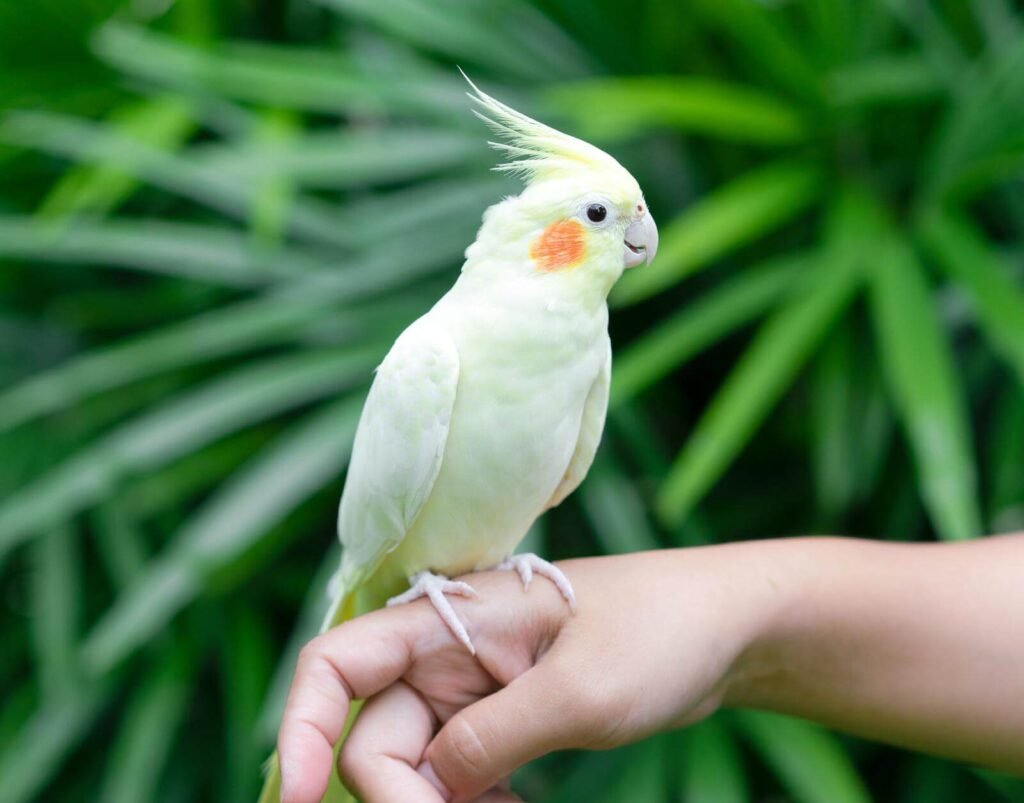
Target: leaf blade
<point x="297" y="463"/>
<point x="918" y="366"/>
<point x="186" y="422"/>
<point x="713" y="316"/>
<point x="147" y="732"/>
<point x="705" y="106"/>
<point x="38" y="751"/>
<point x="997" y="300"/>
<point x="758" y="380"/>
<point x="807" y="759"/>
<point x="206" y="253"/>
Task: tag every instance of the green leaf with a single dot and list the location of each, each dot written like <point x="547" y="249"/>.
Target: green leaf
<point x="985" y="119"/>
<point x="1006" y="445"/>
<point x="1009" y="787"/>
<point x="297" y="464"/>
<point x="247" y="652"/>
<point x="403" y="214"/>
<point x="988" y="172"/>
<point x="56" y="609"/>
<point x="178" y="485"/>
<point x="621" y="107"/>
<point x="223" y="177"/>
<point x="807" y="759"/>
<point x="222" y="332"/>
<point x="91" y="142"/>
<point x="179" y="426"/>
<point x="852" y="425"/>
<point x="509" y="36"/>
<point x="307" y="625"/>
<point x="303" y="79"/>
<point x="897" y="79"/>
<point x="832" y="412"/>
<point x="146" y="736"/>
<point x="725" y="220"/>
<point x="644" y="776"/>
<point x="35" y="757"/>
<point x="671" y="343"/>
<point x="833" y="25"/>
<point x="240" y="327"/>
<point x="996" y="297"/>
<point x="119" y="541"/>
<point x="712" y="770"/>
<point x="919" y="368"/>
<point x="999" y="20"/>
<point x="19" y="705"/>
<point x="763" y="373"/>
<point x="760" y="37"/>
<point x="636" y="433"/>
<point x="164" y="122"/>
<point x="615" y="509"/>
<point x="206" y="253"/>
<point x="331" y="159"/>
<point x="589" y="776"/>
<point x="268" y="215"/>
<point x="926" y="23"/>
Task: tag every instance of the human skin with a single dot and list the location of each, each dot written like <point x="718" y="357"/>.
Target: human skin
<point x="919" y="645"/>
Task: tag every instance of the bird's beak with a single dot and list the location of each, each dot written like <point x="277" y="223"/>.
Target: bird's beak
<point x="641" y="241"/>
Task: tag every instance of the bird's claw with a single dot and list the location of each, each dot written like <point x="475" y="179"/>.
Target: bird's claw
<point x="434" y="587"/>
<point x="528" y="564"/>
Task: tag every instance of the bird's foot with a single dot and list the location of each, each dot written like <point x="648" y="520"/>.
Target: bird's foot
<point x="434" y="587"/>
<point x="529" y="564"/>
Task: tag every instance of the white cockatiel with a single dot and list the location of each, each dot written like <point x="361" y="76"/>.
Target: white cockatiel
<point x="488" y="410"/>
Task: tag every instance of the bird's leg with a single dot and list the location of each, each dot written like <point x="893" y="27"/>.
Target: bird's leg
<point x="529" y="564"/>
<point x="434" y="587"/>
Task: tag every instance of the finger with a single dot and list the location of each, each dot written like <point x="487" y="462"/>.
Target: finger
<point x="353" y="661"/>
<point x="380" y="756"/>
<point x="489" y="739"/>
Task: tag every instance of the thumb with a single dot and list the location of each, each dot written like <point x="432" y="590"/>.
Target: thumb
<point x="489" y="739"/>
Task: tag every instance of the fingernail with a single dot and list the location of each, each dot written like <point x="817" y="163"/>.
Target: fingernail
<point x="427" y="772"/>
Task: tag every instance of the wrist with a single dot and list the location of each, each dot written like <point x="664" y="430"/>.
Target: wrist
<point x="781" y="578"/>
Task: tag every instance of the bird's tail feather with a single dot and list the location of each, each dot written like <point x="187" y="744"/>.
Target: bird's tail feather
<point x="343" y="608"/>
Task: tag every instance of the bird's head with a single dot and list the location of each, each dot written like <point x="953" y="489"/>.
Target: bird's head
<point x="581" y="212"/>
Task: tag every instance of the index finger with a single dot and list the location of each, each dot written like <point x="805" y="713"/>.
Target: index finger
<point x="353" y="661"/>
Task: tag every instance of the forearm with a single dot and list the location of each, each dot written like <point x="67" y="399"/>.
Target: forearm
<point x="918" y="645"/>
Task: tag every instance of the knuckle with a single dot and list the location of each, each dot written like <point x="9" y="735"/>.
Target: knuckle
<point x="349" y="766"/>
<point x="310" y="652"/>
<point x="465" y="747"/>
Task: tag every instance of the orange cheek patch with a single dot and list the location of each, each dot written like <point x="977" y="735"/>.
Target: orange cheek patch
<point x="561" y="245"/>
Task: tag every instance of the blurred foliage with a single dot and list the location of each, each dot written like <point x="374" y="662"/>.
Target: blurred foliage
<point x="215" y="217"/>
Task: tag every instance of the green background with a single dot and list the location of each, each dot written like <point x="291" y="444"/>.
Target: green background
<point x="216" y="216"/>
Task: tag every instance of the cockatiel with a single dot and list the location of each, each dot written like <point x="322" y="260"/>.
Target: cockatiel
<point x="488" y="410"/>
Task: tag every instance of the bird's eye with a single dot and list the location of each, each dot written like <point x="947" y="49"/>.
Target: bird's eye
<point x="596" y="213"/>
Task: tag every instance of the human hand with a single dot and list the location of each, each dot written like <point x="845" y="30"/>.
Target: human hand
<point x="652" y="645"/>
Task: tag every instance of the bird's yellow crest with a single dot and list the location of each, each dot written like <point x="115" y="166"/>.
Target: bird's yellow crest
<point x="537" y="151"/>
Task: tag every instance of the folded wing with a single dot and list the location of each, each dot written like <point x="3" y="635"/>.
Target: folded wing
<point x="399" y="446"/>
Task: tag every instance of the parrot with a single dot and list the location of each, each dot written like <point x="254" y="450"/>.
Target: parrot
<point x="488" y="410"/>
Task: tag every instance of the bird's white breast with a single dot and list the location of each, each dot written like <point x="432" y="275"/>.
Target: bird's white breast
<point x="526" y="367"/>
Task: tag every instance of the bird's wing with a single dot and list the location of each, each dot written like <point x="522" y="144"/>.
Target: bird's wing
<point x="399" y="445"/>
<point x="591" y="426"/>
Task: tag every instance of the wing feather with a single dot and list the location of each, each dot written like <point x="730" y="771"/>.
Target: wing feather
<point x="591" y="427"/>
<point x="399" y="445"/>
